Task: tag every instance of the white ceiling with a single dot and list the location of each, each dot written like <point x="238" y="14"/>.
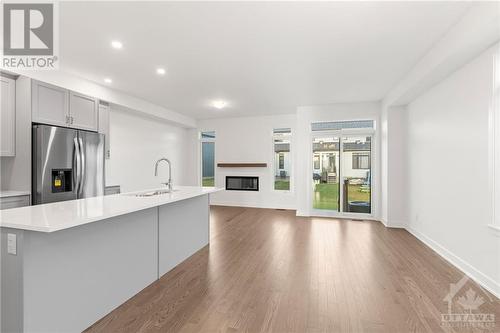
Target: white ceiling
<point x="263" y="58"/>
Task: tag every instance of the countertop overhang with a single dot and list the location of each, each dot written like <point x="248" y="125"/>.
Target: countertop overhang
<point x="68" y="214"/>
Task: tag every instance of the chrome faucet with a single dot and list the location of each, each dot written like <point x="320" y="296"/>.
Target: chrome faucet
<point x="169" y="183"/>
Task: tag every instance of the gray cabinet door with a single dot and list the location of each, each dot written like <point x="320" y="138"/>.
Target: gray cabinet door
<point x="104" y="128"/>
<point x="15" y="202"/>
<point x="7" y="117"/>
<point x="83" y="111"/>
<point x="50" y="104"/>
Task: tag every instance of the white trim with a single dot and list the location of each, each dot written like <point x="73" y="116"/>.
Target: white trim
<point x="373" y="171"/>
<point x="494" y="143"/>
<point x="485" y="281"/>
<point x="302" y="213"/>
<point x="494" y="229"/>
<point x="251" y="205"/>
<point x="337" y="215"/>
<point x="397" y="225"/>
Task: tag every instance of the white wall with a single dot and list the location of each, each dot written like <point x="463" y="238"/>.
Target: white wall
<point x="448" y="191"/>
<point x="249" y="139"/>
<point x="472" y="34"/>
<point x="393" y="210"/>
<point x="137" y="142"/>
<point x="333" y="112"/>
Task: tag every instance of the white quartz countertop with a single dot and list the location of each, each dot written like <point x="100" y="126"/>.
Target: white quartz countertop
<point x="7" y="194"/>
<point x="67" y="214"/>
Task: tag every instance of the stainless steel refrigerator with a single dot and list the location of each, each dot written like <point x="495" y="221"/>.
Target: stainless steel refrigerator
<point x="67" y="164"/>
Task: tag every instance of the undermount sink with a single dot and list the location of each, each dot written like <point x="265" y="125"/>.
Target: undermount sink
<point x="151" y="193"/>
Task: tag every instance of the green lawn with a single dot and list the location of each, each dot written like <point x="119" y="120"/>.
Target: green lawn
<point x="283" y="185"/>
<point x="325" y="196"/>
<point x="208" y="181"/>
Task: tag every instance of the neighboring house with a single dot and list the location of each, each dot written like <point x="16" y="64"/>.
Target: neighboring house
<point x="282" y="160"/>
<point x="356" y="164"/>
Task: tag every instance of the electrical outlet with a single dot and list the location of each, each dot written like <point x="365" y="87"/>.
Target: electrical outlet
<point x="12" y="244"/>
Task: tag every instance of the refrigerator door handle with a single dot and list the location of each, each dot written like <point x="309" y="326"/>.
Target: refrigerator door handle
<point x="82" y="165"/>
<point x="76" y="175"/>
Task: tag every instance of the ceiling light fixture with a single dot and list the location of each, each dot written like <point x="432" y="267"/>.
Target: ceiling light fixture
<point x="160" y="71"/>
<point x="116" y="44"/>
<point x="108" y="80"/>
<point x="219" y="104"/>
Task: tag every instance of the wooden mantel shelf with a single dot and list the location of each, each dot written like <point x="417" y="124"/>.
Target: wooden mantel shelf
<point x="242" y="165"/>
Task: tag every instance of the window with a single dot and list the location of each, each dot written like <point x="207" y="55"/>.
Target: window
<point x="282" y="158"/>
<point x="208" y="135"/>
<point x="360" y="161"/>
<point x="207" y="140"/>
<point x="340" y="125"/>
<point x="316" y="162"/>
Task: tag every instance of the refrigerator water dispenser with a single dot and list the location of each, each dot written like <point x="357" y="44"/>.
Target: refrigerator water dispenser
<point x="62" y="180"/>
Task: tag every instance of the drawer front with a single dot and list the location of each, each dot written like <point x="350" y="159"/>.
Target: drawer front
<point x="109" y="190"/>
<point x="14" y="202"/>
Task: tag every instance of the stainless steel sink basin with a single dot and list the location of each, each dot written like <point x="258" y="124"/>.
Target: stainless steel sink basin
<point x="152" y="193"/>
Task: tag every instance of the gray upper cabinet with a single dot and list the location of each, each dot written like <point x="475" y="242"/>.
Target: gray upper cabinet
<point x="7" y="117"/>
<point x="83" y="111"/>
<point x="49" y="104"/>
<point x="104" y="127"/>
<point x="54" y="105"/>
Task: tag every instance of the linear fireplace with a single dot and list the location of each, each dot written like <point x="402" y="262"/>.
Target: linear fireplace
<point x="242" y="183"/>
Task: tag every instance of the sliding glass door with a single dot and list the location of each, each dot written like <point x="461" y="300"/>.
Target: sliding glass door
<point x="341" y="173"/>
<point x="325" y="176"/>
<point x="356" y="174"/>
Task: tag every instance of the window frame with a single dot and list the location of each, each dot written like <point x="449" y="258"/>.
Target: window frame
<point x="273" y="160"/>
<point x="202" y="140"/>
<point x="374" y="160"/>
<point x="494" y="153"/>
<point x="281" y="160"/>
<point x="356" y="156"/>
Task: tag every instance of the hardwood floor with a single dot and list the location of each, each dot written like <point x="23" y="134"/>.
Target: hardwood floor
<point x="270" y="271"/>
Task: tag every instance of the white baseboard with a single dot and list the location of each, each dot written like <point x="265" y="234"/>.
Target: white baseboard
<point x="485" y="281"/>
<point x="302" y="213"/>
<point x="495" y="229"/>
<point x="393" y="224"/>
<point x="250" y="205"/>
<point x="397" y="224"/>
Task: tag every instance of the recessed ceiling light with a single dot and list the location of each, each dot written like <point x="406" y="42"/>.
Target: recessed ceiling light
<point x="108" y="80"/>
<point x="116" y="44"/>
<point x="219" y="104"/>
<point x="160" y="71"/>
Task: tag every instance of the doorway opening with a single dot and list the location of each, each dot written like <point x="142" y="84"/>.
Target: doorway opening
<point x="342" y="172"/>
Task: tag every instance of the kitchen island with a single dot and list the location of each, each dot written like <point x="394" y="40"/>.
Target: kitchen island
<point x="67" y="264"/>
